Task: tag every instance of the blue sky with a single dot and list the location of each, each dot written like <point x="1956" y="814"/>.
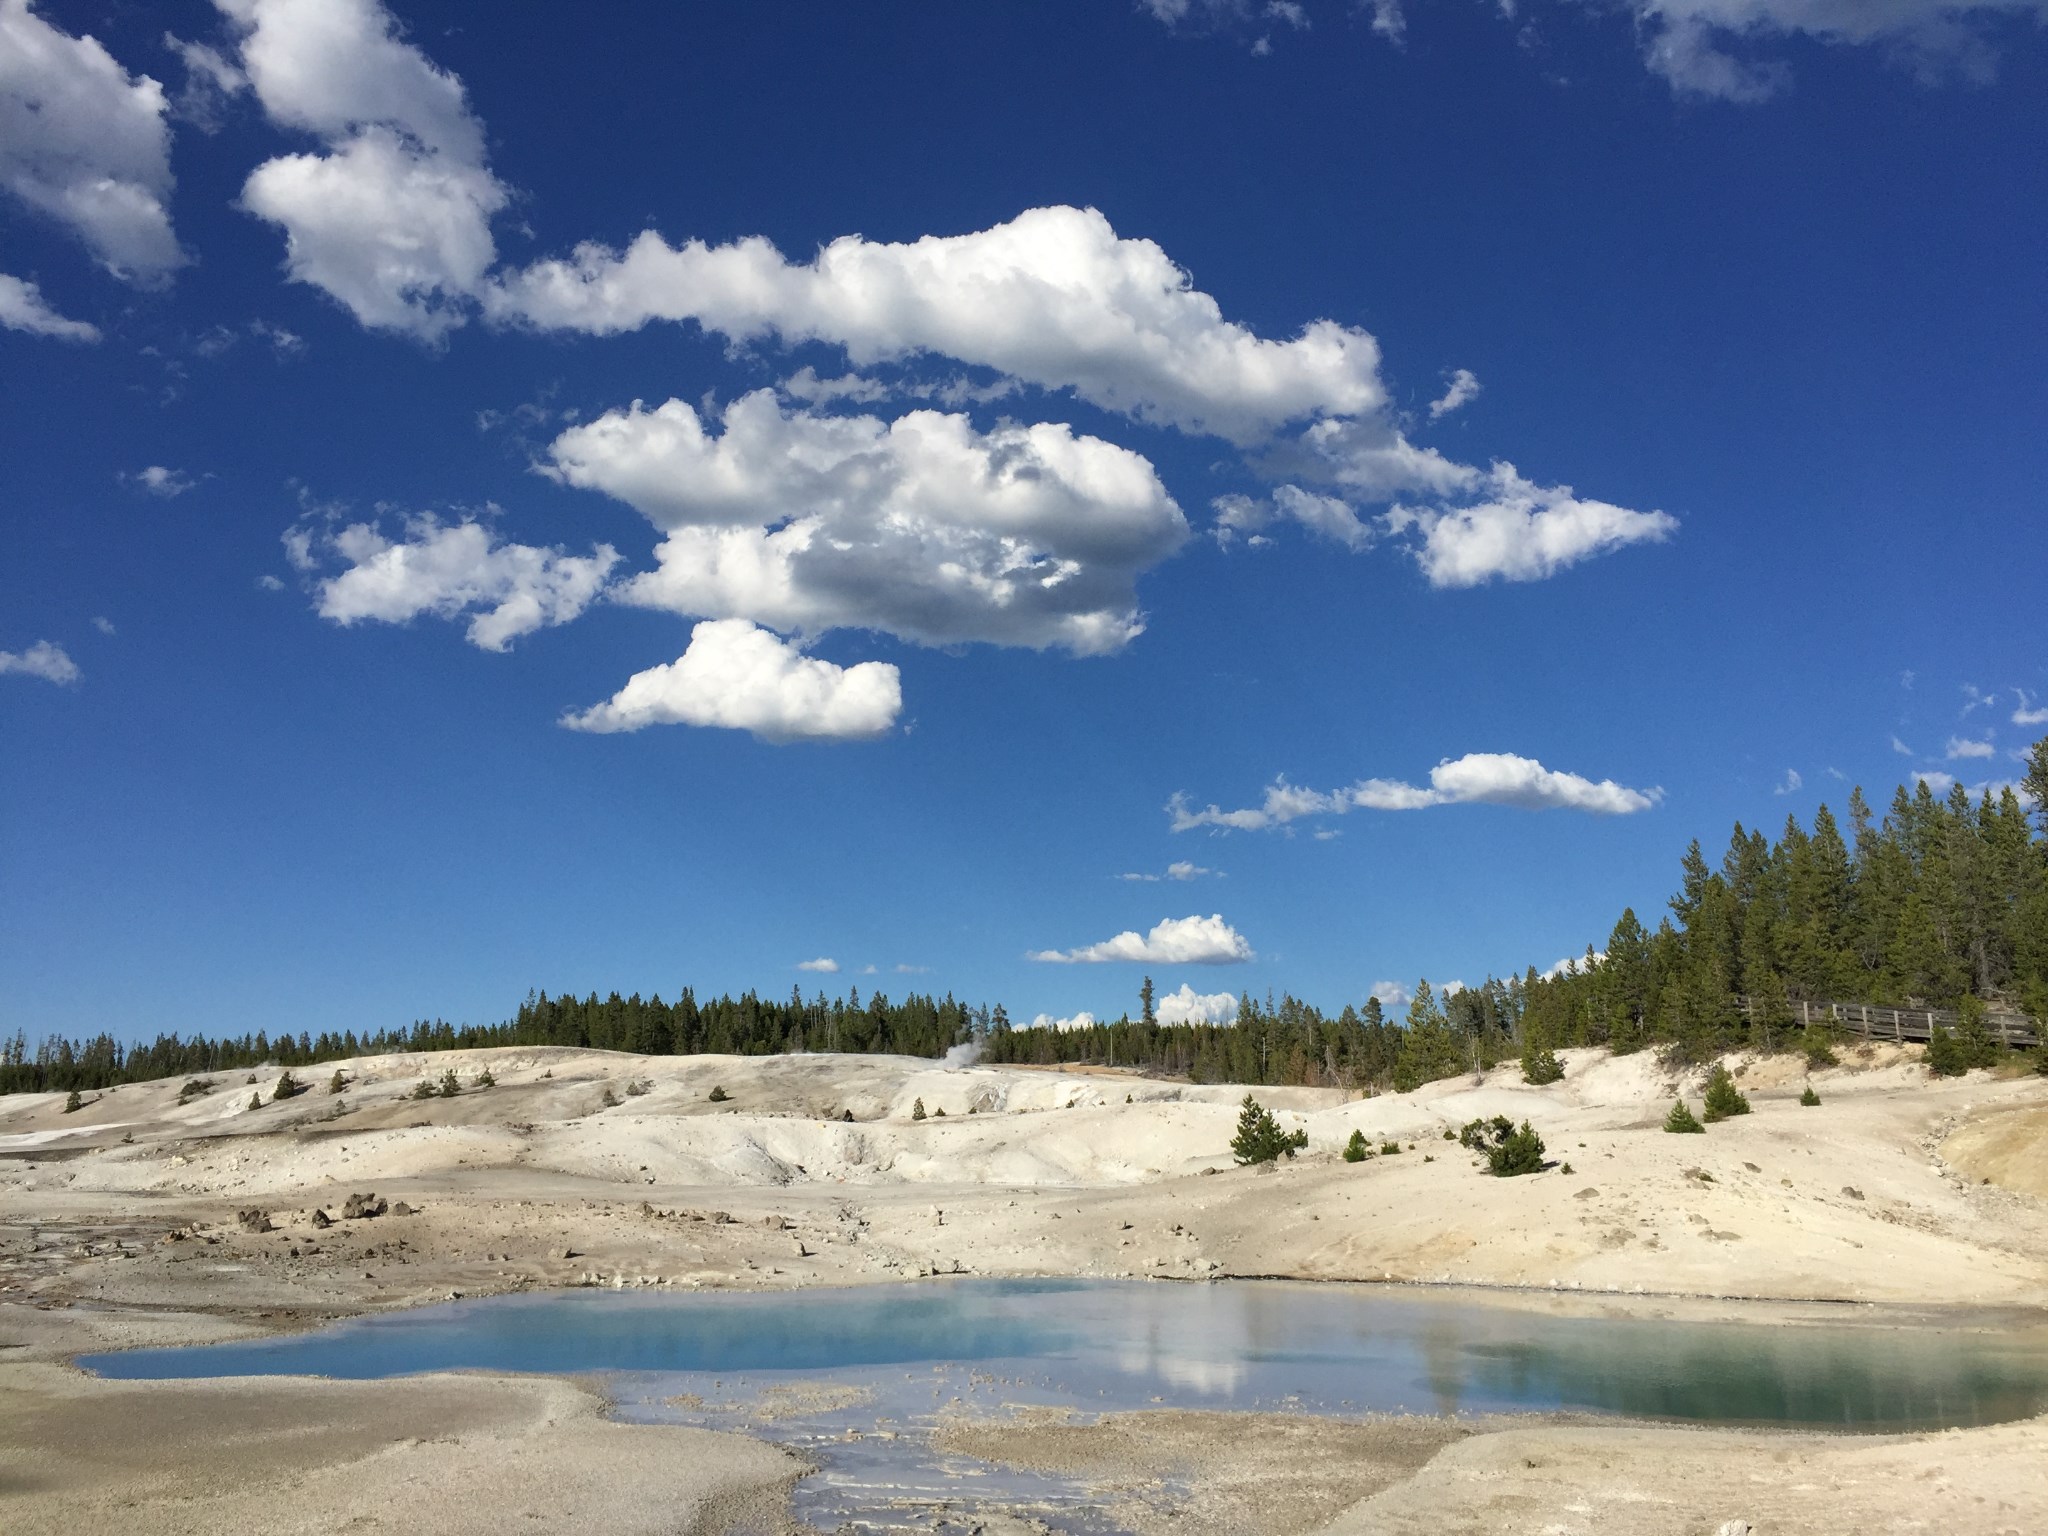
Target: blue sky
<point x="1390" y="474"/>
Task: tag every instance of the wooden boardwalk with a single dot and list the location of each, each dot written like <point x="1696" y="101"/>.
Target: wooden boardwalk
<point x="1907" y="1025"/>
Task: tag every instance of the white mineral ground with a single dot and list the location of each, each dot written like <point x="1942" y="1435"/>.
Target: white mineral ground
<point x="118" y="1227"/>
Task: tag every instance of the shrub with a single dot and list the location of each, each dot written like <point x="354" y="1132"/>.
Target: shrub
<point x="1945" y="1057"/>
<point x="719" y="1095"/>
<point x="1809" y="1098"/>
<point x="1355" y="1150"/>
<point x="1540" y="1067"/>
<point x="610" y="1100"/>
<point x="1567" y="1168"/>
<point x="637" y="1086"/>
<point x="195" y="1088"/>
<point x="1509" y="1149"/>
<point x="423" y="1090"/>
<point x="1681" y="1121"/>
<point x="1819" y="1047"/>
<point x="73" y="1103"/>
<point x="1449" y="1134"/>
<point x="337" y="1083"/>
<point x="1259" y="1138"/>
<point x="1980" y="1048"/>
<point x="1389" y="1148"/>
<point x="917" y="1110"/>
<point x="939" y="1113"/>
<point x="1481" y="1135"/>
<point x="450" y="1086"/>
<point x="484" y="1079"/>
<point x="255" y="1101"/>
<point x="288" y="1087"/>
<point x="1724" y="1099"/>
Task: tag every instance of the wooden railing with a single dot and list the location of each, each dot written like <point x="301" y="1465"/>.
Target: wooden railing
<point x="1874" y="1022"/>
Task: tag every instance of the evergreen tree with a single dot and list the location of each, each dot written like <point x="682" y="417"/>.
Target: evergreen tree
<point x="1724" y="1099"/>
<point x="1355" y="1150"/>
<point x="1682" y="1122"/>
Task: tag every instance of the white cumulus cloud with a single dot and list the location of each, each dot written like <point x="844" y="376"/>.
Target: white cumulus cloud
<point x="84" y="142"/>
<point x="1054" y="297"/>
<point x="1187" y="1006"/>
<point x="392" y="217"/>
<point x="744" y="678"/>
<point x="1521" y="531"/>
<point x="449" y="570"/>
<point x="824" y="964"/>
<point x="1963" y="746"/>
<point x="1179" y="869"/>
<point x="2028" y="713"/>
<point x="1489" y="778"/>
<point x="1173" y="941"/>
<point x="1792" y="782"/>
<point x="1081" y="1020"/>
<point x="43" y="659"/>
<point x="22" y="308"/>
<point x="922" y="527"/>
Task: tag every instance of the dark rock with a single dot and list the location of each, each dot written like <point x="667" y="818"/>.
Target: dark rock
<point x="253" y="1220"/>
<point x="400" y="1208"/>
<point x="362" y="1207"/>
<point x="321" y="1219"/>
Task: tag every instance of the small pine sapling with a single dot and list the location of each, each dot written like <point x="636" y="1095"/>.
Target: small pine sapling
<point x="337" y="1083"/>
<point x="484" y="1079"/>
<point x="1389" y="1148"/>
<point x="1819" y="1049"/>
<point x="917" y="1110"/>
<point x="1540" y="1067"/>
<point x="255" y="1101"/>
<point x="1724" y="1099"/>
<point x="287" y="1087"/>
<point x="1945" y="1055"/>
<point x="1259" y="1138"/>
<point x="1682" y="1122"/>
<point x="1355" y="1150"/>
<point x="73" y="1103"/>
<point x="1809" y="1098"/>
<point x="450" y="1087"/>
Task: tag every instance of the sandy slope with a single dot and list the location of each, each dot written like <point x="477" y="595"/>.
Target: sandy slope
<point x="1896" y="1189"/>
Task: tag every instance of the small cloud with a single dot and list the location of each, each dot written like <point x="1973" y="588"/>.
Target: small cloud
<point x="157" y="480"/>
<point x="1464" y="388"/>
<point x="1081" y="1020"/>
<point x="1937" y="781"/>
<point x="22" y="308"/>
<point x="1974" y="699"/>
<point x="1902" y="749"/>
<point x="1179" y="869"/>
<point x="1327" y="834"/>
<point x="104" y="625"/>
<point x="824" y="964"/>
<point x="1837" y="775"/>
<point x="270" y="583"/>
<point x="1792" y="782"/>
<point x="1962" y="746"/>
<point x="1187" y="1006"/>
<point x="44" y="659"/>
<point x="912" y="970"/>
<point x="2025" y="714"/>
<point x="284" y="344"/>
<point x="1906" y="678"/>
<point x="1174" y="941"/>
<point x="1392" y="995"/>
<point x="1262" y="48"/>
<point x="1389" y="22"/>
<point x="870" y="970"/>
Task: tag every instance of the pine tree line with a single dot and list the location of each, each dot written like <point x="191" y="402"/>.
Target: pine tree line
<point x="744" y="1026"/>
<point x="1944" y="903"/>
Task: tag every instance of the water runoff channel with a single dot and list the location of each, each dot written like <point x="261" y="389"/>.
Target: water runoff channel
<point x="856" y="1379"/>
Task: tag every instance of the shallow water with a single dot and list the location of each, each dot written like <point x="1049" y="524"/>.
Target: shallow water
<point x="854" y="1377"/>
